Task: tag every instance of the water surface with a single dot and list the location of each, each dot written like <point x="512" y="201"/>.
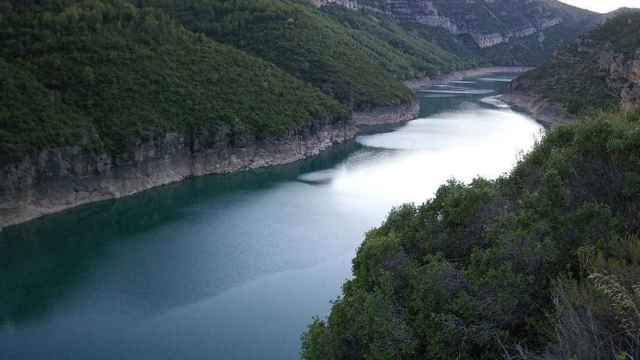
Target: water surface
<point x="234" y="267"/>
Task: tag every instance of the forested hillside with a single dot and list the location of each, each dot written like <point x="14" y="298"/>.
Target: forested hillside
<point x="104" y="74"/>
<point x="100" y="73"/>
<point x="600" y="70"/>
<point x="360" y="69"/>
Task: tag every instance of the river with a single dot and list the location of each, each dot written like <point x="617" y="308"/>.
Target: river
<point x="234" y="267"/>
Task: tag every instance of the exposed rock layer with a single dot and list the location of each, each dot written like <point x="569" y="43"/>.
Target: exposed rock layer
<point x="57" y="179"/>
<point x="489" y="23"/>
<point x="547" y="113"/>
<point x="599" y="70"/>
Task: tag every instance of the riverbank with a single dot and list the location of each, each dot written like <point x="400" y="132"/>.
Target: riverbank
<point x="459" y="75"/>
<point x="55" y="180"/>
<point x="386" y="115"/>
<point x="548" y="114"/>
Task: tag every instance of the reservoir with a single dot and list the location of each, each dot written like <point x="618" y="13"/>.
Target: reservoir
<point x="235" y="267"/>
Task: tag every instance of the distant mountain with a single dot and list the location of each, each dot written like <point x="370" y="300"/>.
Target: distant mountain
<point x="499" y="32"/>
<point x="600" y="70"/>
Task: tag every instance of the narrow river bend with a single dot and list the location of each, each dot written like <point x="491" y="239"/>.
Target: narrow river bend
<point x="234" y="267"/>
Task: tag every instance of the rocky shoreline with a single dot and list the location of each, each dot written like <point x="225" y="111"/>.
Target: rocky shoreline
<point x="54" y="180"/>
<point x="386" y="115"/>
<point x="550" y="115"/>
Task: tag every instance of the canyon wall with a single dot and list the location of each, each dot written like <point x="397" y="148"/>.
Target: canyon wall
<point x="53" y="180"/>
<point x="488" y="22"/>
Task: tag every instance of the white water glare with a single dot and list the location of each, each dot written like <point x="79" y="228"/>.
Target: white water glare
<point x="412" y="162"/>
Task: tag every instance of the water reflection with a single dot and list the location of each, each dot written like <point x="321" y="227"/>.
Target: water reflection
<point x="409" y="164"/>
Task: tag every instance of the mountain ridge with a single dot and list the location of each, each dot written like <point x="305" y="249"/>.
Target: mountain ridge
<point x="478" y="27"/>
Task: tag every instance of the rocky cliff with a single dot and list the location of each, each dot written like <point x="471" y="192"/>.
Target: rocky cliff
<point x="488" y="23"/>
<point x="56" y="179"/>
<point x="599" y="70"/>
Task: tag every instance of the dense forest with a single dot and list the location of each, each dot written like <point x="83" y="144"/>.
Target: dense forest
<point x="359" y="67"/>
<point x="542" y="263"/>
<point x="103" y="73"/>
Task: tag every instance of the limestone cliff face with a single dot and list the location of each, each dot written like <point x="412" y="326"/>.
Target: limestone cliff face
<point x="488" y="22"/>
<point x="599" y="70"/>
<point x="53" y="180"/>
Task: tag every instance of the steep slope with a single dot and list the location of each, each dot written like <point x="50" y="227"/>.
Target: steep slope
<point x="100" y="99"/>
<point x="360" y="70"/>
<point x="128" y="72"/>
<point x="498" y="32"/>
<point x="403" y="54"/>
<point x="600" y="70"/>
<point x="542" y="264"/>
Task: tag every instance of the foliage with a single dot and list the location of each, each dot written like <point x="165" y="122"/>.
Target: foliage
<point x="403" y="54"/>
<point x="105" y="74"/>
<point x="597" y="317"/>
<point x="621" y="32"/>
<point x="358" y="70"/>
<point x="474" y="273"/>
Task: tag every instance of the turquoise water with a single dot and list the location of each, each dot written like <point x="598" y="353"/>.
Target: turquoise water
<point x="234" y="267"/>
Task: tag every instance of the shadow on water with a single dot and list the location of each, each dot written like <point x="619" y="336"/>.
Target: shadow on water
<point x="41" y="261"/>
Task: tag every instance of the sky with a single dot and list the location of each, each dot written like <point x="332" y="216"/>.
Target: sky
<point x="603" y="5"/>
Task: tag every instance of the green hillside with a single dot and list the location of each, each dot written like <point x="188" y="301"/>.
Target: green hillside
<point x="105" y="74"/>
<point x="403" y="54"/>
<point x="579" y="75"/>
<point x="530" y="30"/>
<point x="356" y="67"/>
<point x="544" y="261"/>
